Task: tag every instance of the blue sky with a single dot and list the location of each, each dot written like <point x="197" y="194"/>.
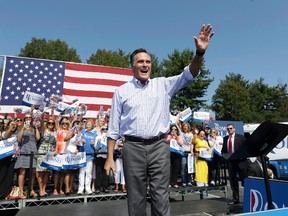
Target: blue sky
<point x="250" y="35"/>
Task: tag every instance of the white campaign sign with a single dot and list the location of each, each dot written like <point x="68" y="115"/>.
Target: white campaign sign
<point x="6" y="147"/>
<point x="205" y="154"/>
<point x="31" y="98"/>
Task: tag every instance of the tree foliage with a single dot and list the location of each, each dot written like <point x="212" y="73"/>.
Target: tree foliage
<point x="237" y="99"/>
<point x="51" y="49"/>
<point x="109" y="58"/>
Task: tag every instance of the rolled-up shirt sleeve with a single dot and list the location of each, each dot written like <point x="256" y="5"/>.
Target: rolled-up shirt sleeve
<point x="115" y="115"/>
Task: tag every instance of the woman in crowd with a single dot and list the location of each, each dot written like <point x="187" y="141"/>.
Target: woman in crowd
<point x="119" y="176"/>
<point x="62" y="148"/>
<point x="28" y="137"/>
<point x="175" y="158"/>
<point x="201" y="166"/>
<point x="216" y="142"/>
<point x="7" y="163"/>
<point x="85" y="173"/>
<point x="101" y="177"/>
<point x="186" y="134"/>
<point x="47" y="144"/>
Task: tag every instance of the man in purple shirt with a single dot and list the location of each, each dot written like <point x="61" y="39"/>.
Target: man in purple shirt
<point x="140" y="113"/>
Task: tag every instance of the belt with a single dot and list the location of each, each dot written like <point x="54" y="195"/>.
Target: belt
<point x="149" y="140"/>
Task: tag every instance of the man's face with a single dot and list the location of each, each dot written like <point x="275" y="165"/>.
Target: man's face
<point x="230" y="129"/>
<point x="142" y="67"/>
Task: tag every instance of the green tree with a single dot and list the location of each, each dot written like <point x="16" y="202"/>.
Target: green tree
<point x="110" y="58"/>
<point x="231" y="99"/>
<point x="51" y="49"/>
<point x="191" y="95"/>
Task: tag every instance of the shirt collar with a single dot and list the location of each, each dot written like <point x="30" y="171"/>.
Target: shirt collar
<point x="138" y="83"/>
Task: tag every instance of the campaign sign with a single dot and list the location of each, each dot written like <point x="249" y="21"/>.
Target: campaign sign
<point x="205" y="154"/>
<point x="221" y="126"/>
<point x="175" y="147"/>
<point x="186" y="115"/>
<point x="201" y="116"/>
<point x="52" y="162"/>
<point x="6" y="147"/>
<point x="62" y="106"/>
<point x="73" y="161"/>
<point x="255" y="198"/>
<point x="191" y="163"/>
<point x="102" y="146"/>
<point x="31" y="98"/>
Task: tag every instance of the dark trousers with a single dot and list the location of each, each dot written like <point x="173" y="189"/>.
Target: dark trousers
<point x="145" y="163"/>
<point x="101" y="177"/>
<point x="237" y="167"/>
<point x="6" y="176"/>
<point x="175" y="167"/>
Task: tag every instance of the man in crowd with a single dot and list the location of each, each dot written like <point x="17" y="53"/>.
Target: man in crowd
<point x="238" y="166"/>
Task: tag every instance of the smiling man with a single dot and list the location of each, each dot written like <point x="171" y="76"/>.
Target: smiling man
<point x="140" y="113"/>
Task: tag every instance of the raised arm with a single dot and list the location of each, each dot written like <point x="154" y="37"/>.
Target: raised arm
<point x="201" y="42"/>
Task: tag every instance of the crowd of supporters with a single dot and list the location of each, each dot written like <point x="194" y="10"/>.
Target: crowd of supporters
<point x="38" y="134"/>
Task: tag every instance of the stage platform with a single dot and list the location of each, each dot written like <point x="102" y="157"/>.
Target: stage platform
<point x="184" y="201"/>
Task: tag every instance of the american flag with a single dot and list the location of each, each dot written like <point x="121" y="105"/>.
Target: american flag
<point x="92" y="85"/>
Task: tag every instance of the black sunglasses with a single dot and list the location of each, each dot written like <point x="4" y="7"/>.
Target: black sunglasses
<point x="229" y="128"/>
<point x="50" y="123"/>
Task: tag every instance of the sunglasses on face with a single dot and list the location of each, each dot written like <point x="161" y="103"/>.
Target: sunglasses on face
<point x="104" y="128"/>
<point x="50" y="123"/>
<point x="230" y="128"/>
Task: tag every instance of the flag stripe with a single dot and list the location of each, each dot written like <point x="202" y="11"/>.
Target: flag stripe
<point x="98" y="68"/>
<point x="87" y="93"/>
<point x="93" y="81"/>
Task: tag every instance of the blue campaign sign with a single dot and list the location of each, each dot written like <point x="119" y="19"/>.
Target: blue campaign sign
<point x="255" y="198"/>
<point x="221" y="126"/>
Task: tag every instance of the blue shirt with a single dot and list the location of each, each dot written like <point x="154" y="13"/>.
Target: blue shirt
<point x="87" y="146"/>
<point x="143" y="111"/>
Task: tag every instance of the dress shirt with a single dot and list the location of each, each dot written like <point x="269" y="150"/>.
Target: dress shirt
<point x="143" y="111"/>
<point x="232" y="137"/>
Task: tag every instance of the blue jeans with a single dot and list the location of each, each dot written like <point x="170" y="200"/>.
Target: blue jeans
<point x="185" y="178"/>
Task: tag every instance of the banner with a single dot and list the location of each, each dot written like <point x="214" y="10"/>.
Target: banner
<point x="102" y="146"/>
<point x="6" y="147"/>
<point x="74" y="161"/>
<point x="64" y="162"/>
<point x="255" y="198"/>
<point x="191" y="163"/>
<point x="31" y="98"/>
<point x="175" y="147"/>
<point x="52" y="162"/>
<point x="221" y="126"/>
<point x="217" y="151"/>
<point x="205" y="154"/>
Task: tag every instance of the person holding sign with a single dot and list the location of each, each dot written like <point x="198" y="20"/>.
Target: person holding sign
<point x="47" y="144"/>
<point x="201" y="166"/>
<point x="101" y="147"/>
<point x="216" y="142"/>
<point x="7" y="163"/>
<point x="175" y="139"/>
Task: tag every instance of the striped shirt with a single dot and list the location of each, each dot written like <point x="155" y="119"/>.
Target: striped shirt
<point x="144" y="111"/>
